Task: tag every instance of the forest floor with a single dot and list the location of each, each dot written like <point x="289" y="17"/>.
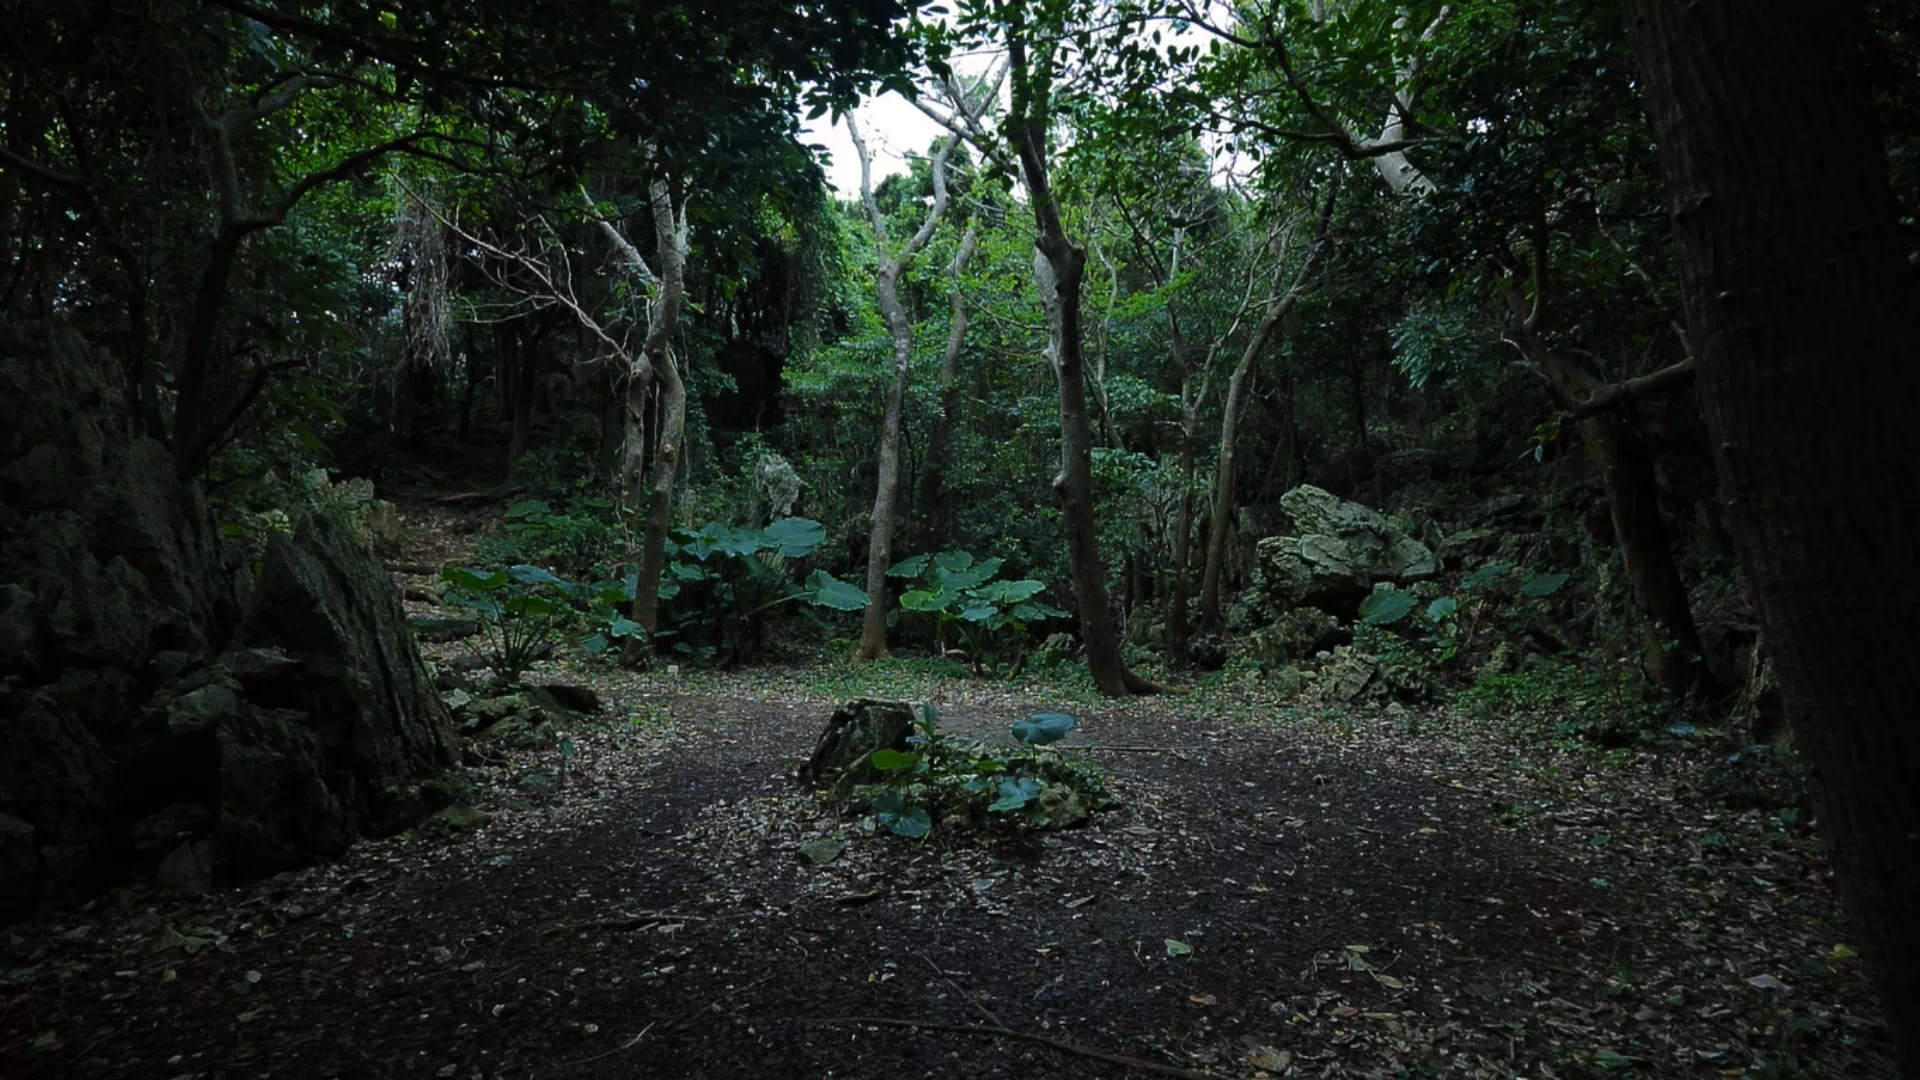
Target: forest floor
<point x="1283" y="892"/>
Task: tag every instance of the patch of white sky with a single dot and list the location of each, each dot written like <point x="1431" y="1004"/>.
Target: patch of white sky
<point x="896" y="130"/>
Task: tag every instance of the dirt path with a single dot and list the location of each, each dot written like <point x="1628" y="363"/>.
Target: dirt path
<point x="1350" y="902"/>
<point x="1282" y="893"/>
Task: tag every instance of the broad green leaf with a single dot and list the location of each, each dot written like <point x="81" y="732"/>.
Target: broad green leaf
<point x="623" y="627"/>
<point x="926" y="600"/>
<point x="1544" y="585"/>
<point x="1484" y="575"/>
<point x="953" y="562"/>
<point x="1015" y="794"/>
<point x="1041" y="729"/>
<point x="825" y="590"/>
<point x="891" y="810"/>
<point x="1386" y="607"/>
<point x="532" y="606"/>
<point x="474" y="580"/>
<point x="1012" y="592"/>
<point x="533" y="575"/>
<point x="1178" y="948"/>
<point x="910" y="568"/>
<point x="887" y="759"/>
<point x="1442" y="608"/>
<point x="795" y="537"/>
<point x="595" y="644"/>
<point x="979" y="612"/>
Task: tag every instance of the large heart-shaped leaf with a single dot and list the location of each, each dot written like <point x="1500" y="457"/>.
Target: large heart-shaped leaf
<point x="1386" y="607"/>
<point x="825" y="590"/>
<point x="795" y="537"/>
<point x="953" y="561"/>
<point x="926" y="600"/>
<point x="1484" y="575"/>
<point x="910" y="568"/>
<point x="1442" y="608"/>
<point x="533" y="575"/>
<point x="474" y="580"/>
<point x="891" y="810"/>
<point x="1544" y="585"/>
<point x="1015" y="794"/>
<point x="1012" y="592"/>
<point x="1041" y="729"/>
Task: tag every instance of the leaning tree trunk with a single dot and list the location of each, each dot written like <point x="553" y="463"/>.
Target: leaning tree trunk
<point x="1801" y="302"/>
<point x="1219" y="520"/>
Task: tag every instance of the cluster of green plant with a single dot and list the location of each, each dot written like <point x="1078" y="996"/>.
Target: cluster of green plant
<point x="1419" y="644"/>
<point x="585" y="539"/>
<point x="1582" y="701"/>
<point x="525" y="612"/>
<point x="723" y="583"/>
<point x="961" y="785"/>
<point x="992" y="618"/>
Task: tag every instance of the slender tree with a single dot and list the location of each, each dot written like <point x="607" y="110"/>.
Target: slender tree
<point x="1801" y="304"/>
<point x="892" y="264"/>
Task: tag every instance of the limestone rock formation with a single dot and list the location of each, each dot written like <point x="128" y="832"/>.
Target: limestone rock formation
<point x="1332" y="552"/>
<point x="160" y="711"/>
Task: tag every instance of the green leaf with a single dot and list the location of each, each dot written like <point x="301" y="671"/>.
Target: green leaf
<point x="1442" y="608"/>
<point x="474" y="580"/>
<point x="1015" y="794"/>
<point x="596" y="644"/>
<point x="890" y="809"/>
<point x="953" y="562"/>
<point x="1042" y="729"/>
<point x="910" y="568"/>
<point x="532" y="575"/>
<point x="1608" y="1059"/>
<point x="979" y="612"/>
<point x="1544" y="585"/>
<point x="1178" y="948"/>
<point x="1484" y="575"/>
<point x="1036" y="612"/>
<point x="529" y="605"/>
<point x="926" y="600"/>
<point x="795" y="537"/>
<point x="1012" y="592"/>
<point x="825" y="590"/>
<point x="622" y="627"/>
<point x="1386" y="607"/>
<point x="888" y="759"/>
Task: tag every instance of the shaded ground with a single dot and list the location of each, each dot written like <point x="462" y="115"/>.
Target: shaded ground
<point x="1283" y="893"/>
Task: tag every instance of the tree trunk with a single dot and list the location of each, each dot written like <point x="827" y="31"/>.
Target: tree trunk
<point x="1801" y="305"/>
<point x="873" y="627"/>
<point x="1673" y="654"/>
<point x="1177" y="628"/>
<point x="524" y="375"/>
<point x="1219" y="522"/>
<point x="670" y="238"/>
<point x="933" y="486"/>
<point x="1073" y="486"/>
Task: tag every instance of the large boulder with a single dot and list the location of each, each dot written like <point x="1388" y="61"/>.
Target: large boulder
<point x="1332" y="552"/>
<point x="160" y="711"/>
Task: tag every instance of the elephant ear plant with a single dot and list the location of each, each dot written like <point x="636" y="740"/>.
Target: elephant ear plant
<point x="991" y="617"/>
<point x="956" y="786"/>
<point x="524" y="612"/>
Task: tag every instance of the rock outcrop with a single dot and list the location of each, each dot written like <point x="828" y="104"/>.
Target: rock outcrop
<point x="160" y="711"/>
<point x="1332" y="552"/>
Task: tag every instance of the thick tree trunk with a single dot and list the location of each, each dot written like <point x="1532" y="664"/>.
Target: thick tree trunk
<point x="1802" y="306"/>
<point x="935" y="521"/>
<point x="1673" y="654"/>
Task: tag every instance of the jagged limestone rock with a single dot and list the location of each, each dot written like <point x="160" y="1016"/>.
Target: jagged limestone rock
<point x="852" y="734"/>
<point x="153" y="700"/>
<point x="1333" y="552"/>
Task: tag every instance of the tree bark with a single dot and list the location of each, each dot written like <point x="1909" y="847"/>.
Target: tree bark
<point x="933" y="486"/>
<point x="670" y="241"/>
<point x="1278" y="309"/>
<point x="1801" y="308"/>
<point x="873" y="627"/>
<point x="1673" y="653"/>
